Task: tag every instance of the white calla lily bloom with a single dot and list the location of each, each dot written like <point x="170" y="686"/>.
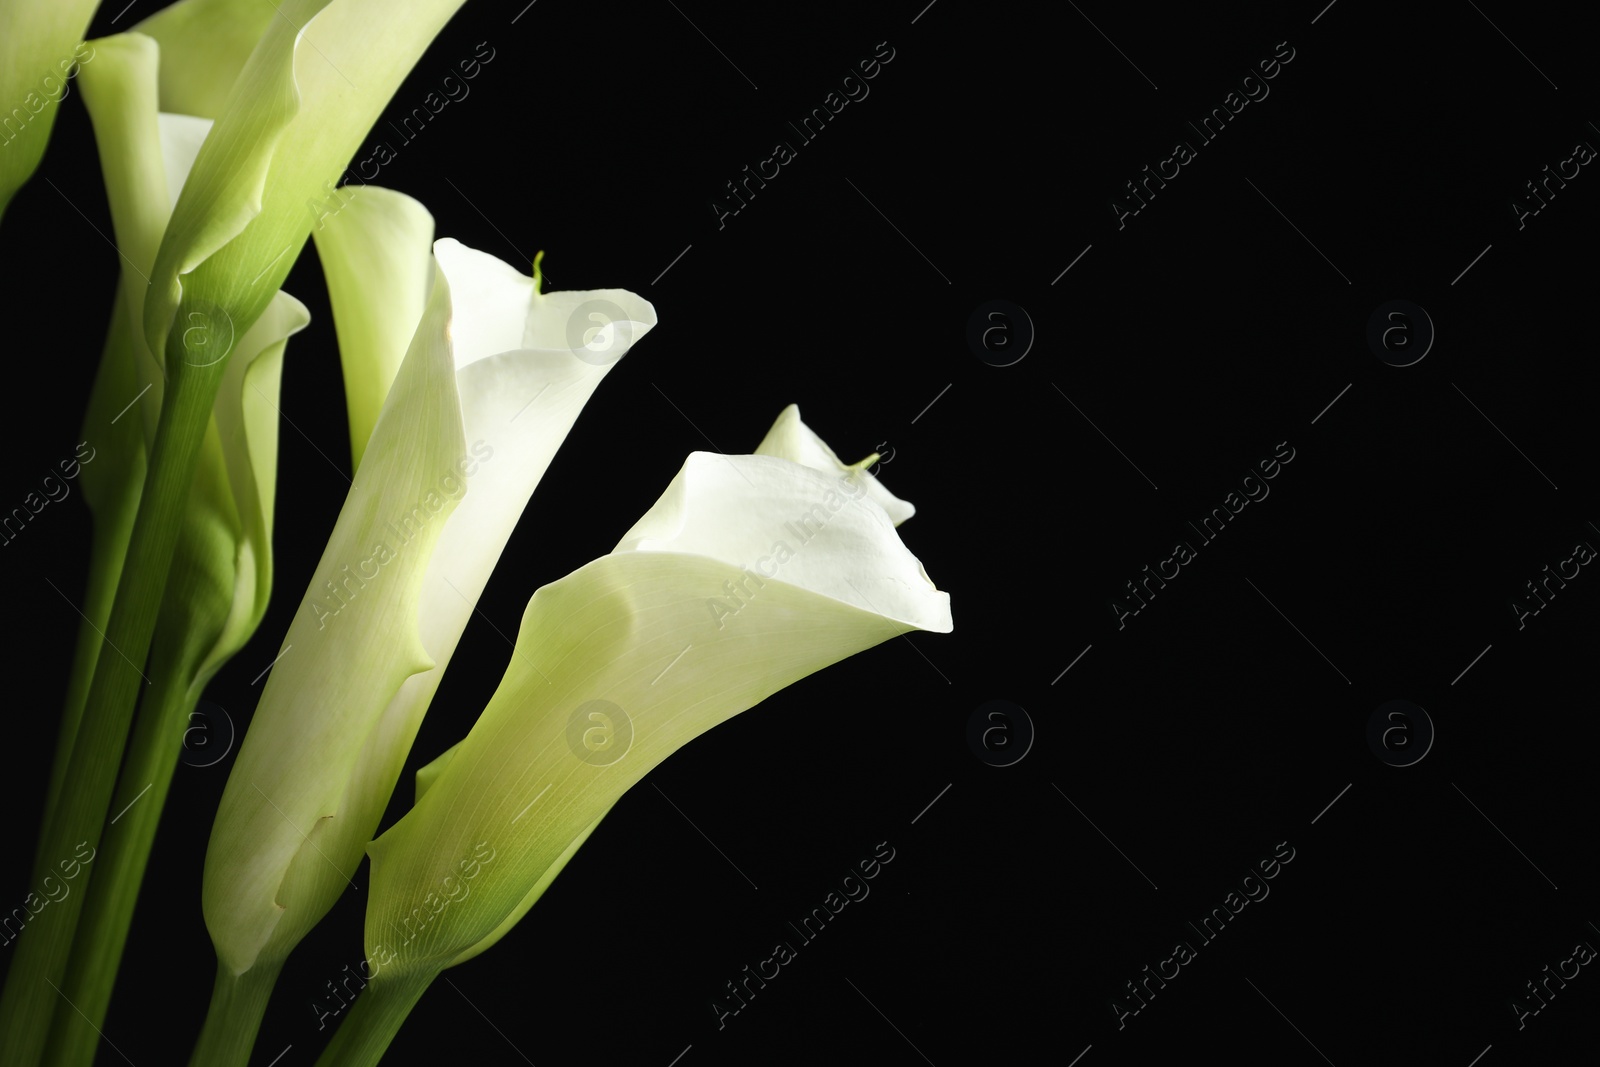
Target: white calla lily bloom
<point x="749" y="573"/>
<point x="487" y="392"/>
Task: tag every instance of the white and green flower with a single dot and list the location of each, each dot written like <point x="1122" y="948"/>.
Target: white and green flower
<point x="487" y="392"/>
<point x="620" y="664"/>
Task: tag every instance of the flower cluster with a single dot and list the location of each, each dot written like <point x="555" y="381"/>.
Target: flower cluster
<point x="218" y="122"/>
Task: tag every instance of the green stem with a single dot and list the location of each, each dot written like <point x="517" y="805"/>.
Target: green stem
<point x="114" y="504"/>
<point x="105" y="567"/>
<point x="378" y="1013"/>
<point x="194" y="613"/>
<point x="33" y="985"/>
<point x="238" y="1003"/>
<point x="108" y="912"/>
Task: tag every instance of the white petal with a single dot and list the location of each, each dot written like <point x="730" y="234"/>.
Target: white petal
<point x="499" y="310"/>
<point x="780" y="520"/>
<point x="794" y="440"/>
<point x="518" y="403"/>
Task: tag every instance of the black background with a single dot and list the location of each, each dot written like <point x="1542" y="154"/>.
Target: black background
<point x="1218" y="722"/>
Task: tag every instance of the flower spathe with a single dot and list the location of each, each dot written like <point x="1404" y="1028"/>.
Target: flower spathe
<point x="374" y="254"/>
<point x="309" y="90"/>
<point x="37" y="59"/>
<point x="483" y="399"/>
<point x="147" y="154"/>
<point x="627" y="659"/>
<point x="792" y="439"/>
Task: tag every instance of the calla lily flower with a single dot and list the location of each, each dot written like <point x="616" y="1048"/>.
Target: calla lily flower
<point x="147" y="151"/>
<point x="291" y="120"/>
<point x="750" y="573"/>
<point x="314" y="85"/>
<point x="222" y="572"/>
<point x="488" y="390"/>
<point x="38" y="54"/>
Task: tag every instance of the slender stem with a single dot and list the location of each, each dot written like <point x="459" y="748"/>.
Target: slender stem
<point x="114" y="511"/>
<point x="141" y="797"/>
<point x="32" y="990"/>
<point x="378" y="1013"/>
<point x="105" y="567"/>
<point x="238" y="1003"/>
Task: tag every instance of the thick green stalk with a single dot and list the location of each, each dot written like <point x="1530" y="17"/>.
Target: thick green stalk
<point x="238" y="1003"/>
<point x="115" y="502"/>
<point x="377" y="1016"/>
<point x="181" y="642"/>
<point x="32" y="990"/>
<point x="107" y="552"/>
